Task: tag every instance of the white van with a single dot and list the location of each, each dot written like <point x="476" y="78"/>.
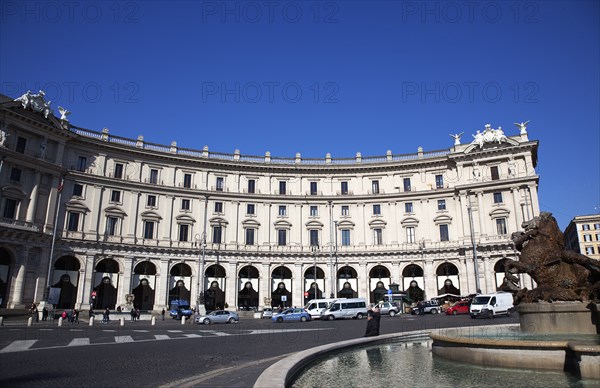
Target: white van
<point x="490" y="305"/>
<point x="315" y="306"/>
<point x="345" y="308"/>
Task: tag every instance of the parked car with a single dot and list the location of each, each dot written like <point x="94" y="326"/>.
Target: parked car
<point x="461" y="307"/>
<point x="491" y="305"/>
<point x="218" y="316"/>
<point x="429" y="307"/>
<point x="387" y="308"/>
<point x="267" y="313"/>
<point x="291" y="315"/>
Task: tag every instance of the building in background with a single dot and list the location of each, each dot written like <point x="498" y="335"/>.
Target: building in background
<point x="144" y="223"/>
<point x="582" y="235"/>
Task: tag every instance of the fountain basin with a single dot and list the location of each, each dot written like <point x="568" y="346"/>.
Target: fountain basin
<point x="559" y="317"/>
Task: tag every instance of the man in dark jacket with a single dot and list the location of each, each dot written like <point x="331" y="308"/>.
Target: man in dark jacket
<point x="372" y="324"/>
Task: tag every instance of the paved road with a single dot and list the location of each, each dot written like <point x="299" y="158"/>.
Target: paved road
<point x="172" y="354"/>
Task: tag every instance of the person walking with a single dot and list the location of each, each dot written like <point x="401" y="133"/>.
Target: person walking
<point x="76" y="316"/>
<point x="106" y="315"/>
<point x="132" y="313"/>
<point x="372" y="329"/>
<point x="44" y="313"/>
<point x="162" y="313"/>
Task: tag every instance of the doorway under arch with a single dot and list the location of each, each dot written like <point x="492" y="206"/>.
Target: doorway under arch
<point x="106" y="276"/>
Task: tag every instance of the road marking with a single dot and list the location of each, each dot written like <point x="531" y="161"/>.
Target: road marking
<point x="79" y="342"/>
<point x="193" y="335"/>
<point x="17" y="346"/>
<point x="217" y="333"/>
<point x="46" y="329"/>
<point x="109" y="331"/>
<point x="161" y="336"/>
<point x="175" y="331"/>
<point x="76" y="330"/>
<point x="123" y="338"/>
<point x="141" y="331"/>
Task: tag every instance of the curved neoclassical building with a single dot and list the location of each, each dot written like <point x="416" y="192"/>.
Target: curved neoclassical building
<point x="148" y="223"/>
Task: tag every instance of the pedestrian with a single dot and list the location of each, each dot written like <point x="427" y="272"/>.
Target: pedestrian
<point x="91" y="313"/>
<point x="106" y="315"/>
<point x="64" y="315"/>
<point x="137" y="314"/>
<point x="163" y="312"/>
<point x="132" y="313"/>
<point x="44" y="313"/>
<point x="372" y="329"/>
<point x="376" y="313"/>
<point x="72" y="316"/>
<point x="76" y="315"/>
<point x="420" y="307"/>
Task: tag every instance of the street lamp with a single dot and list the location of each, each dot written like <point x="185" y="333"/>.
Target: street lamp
<point x="336" y="256"/>
<point x="476" y="264"/>
<point x="201" y="307"/>
<point x="314" y="249"/>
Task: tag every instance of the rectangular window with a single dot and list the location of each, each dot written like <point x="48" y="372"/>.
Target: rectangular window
<point x="497" y="197"/>
<point x="10" y="208"/>
<point x="587" y="237"/>
<point x="377" y="236"/>
<point x="441" y="204"/>
<point x="282" y="187"/>
<point x="282" y="211"/>
<point x="377" y="210"/>
<point x="597" y="226"/>
<point x="444" y="236"/>
<point x="281" y="237"/>
<point x="115" y="196"/>
<point x="314" y="211"/>
<point x="183" y="232"/>
<point x="218" y="207"/>
<point x="597" y="237"/>
<point x="249" y="236"/>
<point x="111" y="226"/>
<point x="314" y="237"/>
<point x="119" y="170"/>
<point x="73" y="222"/>
<point x="439" y="181"/>
<point x="77" y="190"/>
<point x="585" y="227"/>
<point x="21" y="143"/>
<point x="185" y="204"/>
<point x="219" y="183"/>
<point x="344" y="188"/>
<point x="410" y="234"/>
<point x="81" y="163"/>
<point x="501" y="226"/>
<point x="153" y="176"/>
<point x="375" y="187"/>
<point x="408" y="207"/>
<point x="151" y="201"/>
<point x="313" y="188"/>
<point x="251" y="186"/>
<point x="589" y="250"/>
<point x="406" y="182"/>
<point x="187" y="181"/>
<point x="149" y="229"/>
<point x="250" y="209"/>
<point x="345" y="237"/>
<point x="495" y="173"/>
<point x="217" y="232"/>
<point x="15" y="174"/>
<point x="345" y="210"/>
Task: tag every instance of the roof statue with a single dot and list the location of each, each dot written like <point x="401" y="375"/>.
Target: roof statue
<point x="63" y="114"/>
<point x="36" y="102"/>
<point x="522" y="127"/>
<point x="489" y="135"/>
<point x="456" y="138"/>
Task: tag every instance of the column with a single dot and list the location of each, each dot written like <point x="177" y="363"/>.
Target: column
<point x="518" y="218"/>
<point x="430" y="279"/>
<point x="124" y="281"/>
<point x="162" y="286"/>
<point x="60" y="153"/>
<point x="466" y="276"/>
<point x="359" y="234"/>
<point x="363" y="281"/>
<point x="297" y="286"/>
<point x="489" y="285"/>
<point x="88" y="282"/>
<point x="263" y="284"/>
<point x="232" y="287"/>
<point x="33" y="198"/>
<point x="50" y="211"/>
<point x="167" y="221"/>
<point x="16" y="300"/>
<point x="534" y="200"/>
<point x="481" y="211"/>
<point x="93" y="226"/>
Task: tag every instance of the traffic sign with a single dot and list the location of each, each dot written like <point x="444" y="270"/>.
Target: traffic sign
<point x="389" y="292"/>
<point x="305" y="294"/>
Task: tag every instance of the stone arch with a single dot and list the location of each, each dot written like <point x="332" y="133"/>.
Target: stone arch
<point x="214" y="293"/>
<point x="65" y="278"/>
<point x="447" y="277"/>
<point x="347" y="282"/>
<point x="281" y="286"/>
<point x="499" y="273"/>
<point x="6" y="261"/>
<point x="180" y="279"/>
<point x="248" y="277"/>
<point x="106" y="280"/>
<point x="413" y="282"/>
<point x="313" y="285"/>
<point x="379" y="275"/>
<point x="144" y="276"/>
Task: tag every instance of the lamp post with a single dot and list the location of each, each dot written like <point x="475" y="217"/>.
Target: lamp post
<point x="336" y="257"/>
<point x="474" y="244"/>
<point x="201" y="307"/>
<point x="314" y="249"/>
<point x="331" y="295"/>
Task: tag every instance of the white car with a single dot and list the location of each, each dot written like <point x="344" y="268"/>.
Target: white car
<point x="267" y="313"/>
<point x="218" y="316"/>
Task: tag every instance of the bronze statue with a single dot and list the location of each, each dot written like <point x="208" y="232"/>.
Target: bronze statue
<point x="560" y="275"/>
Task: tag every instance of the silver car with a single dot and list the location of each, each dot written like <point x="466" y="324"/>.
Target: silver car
<point x="218" y="316"/>
<point x="267" y="313"/>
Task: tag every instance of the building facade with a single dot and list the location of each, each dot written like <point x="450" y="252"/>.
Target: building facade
<point x="582" y="235"/>
<point x="143" y="223"/>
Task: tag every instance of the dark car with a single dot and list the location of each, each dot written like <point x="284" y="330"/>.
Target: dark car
<point x="429" y="307"/>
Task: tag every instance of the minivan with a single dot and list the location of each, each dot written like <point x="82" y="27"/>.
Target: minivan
<point x="315" y="306"/>
<point x="490" y="305"/>
<point x="345" y="308"/>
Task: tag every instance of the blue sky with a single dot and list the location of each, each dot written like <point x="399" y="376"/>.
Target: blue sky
<point x="329" y="76"/>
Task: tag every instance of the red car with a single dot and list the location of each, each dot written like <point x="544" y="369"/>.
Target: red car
<point x="458" y="308"/>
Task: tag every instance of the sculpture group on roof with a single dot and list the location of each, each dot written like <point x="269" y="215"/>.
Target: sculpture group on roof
<point x="38" y="104"/>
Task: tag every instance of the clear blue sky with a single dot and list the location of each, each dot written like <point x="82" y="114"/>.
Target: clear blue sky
<point x="318" y="77"/>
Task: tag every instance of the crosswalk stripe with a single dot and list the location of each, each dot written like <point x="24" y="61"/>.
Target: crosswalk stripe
<point x="161" y="336"/>
<point x="141" y="331"/>
<point x="17" y="346"/>
<point x="217" y="333"/>
<point x="123" y="338"/>
<point x="175" y="331"/>
<point x="193" y="335"/>
<point x="79" y="342"/>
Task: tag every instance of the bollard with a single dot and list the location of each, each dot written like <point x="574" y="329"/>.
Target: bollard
<point x="122" y="321"/>
<point x="1" y="321"/>
<point x="183" y="320"/>
<point x="153" y="321"/>
<point x="30" y="321"/>
<point x="60" y="320"/>
<point x="91" y="321"/>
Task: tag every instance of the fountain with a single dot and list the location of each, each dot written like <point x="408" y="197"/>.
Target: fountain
<point x="559" y="320"/>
